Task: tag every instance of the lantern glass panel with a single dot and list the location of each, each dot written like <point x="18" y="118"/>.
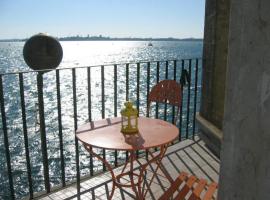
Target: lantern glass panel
<point x="133" y="121"/>
<point x="124" y="121"/>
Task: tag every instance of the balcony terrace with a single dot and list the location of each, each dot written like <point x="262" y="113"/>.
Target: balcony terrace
<point x="41" y="158"/>
<point x="189" y="155"/>
<point x="41" y="111"/>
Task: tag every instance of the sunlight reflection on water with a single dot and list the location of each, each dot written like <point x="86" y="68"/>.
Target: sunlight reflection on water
<point x="76" y="54"/>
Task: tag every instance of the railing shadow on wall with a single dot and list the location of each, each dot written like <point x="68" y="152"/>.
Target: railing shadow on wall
<point x="41" y="111"/>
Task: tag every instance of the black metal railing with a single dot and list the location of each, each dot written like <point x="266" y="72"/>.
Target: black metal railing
<point x="53" y="104"/>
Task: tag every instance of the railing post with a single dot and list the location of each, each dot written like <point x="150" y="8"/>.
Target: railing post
<point x="167" y="69"/>
<point x="174" y="78"/>
<point x="89" y="94"/>
<point x="25" y="135"/>
<point x="148" y="88"/>
<point x="60" y="131"/>
<point x="90" y="112"/>
<point x="127" y="93"/>
<point x="103" y="108"/>
<point x="102" y="93"/>
<point x="138" y="94"/>
<point x="188" y="102"/>
<point x="115" y="107"/>
<point x="166" y="77"/>
<point x="4" y="123"/>
<point x="115" y="90"/>
<point x="157" y="75"/>
<point x="43" y="131"/>
<point x="181" y="108"/>
<point x="127" y="82"/>
<point x="78" y="175"/>
<point x="138" y="87"/>
<point x="195" y="98"/>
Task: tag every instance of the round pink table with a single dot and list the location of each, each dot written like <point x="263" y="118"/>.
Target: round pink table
<point x="106" y="134"/>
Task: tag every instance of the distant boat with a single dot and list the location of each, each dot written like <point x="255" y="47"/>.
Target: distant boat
<point x="150" y="44"/>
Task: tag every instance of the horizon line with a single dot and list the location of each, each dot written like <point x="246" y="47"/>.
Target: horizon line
<point x="106" y="38"/>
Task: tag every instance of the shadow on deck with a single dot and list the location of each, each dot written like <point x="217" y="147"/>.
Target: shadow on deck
<point x="189" y="156"/>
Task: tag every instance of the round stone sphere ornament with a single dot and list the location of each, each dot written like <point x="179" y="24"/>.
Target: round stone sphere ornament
<point x="42" y="51"/>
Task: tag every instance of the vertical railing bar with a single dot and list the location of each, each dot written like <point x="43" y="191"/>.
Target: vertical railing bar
<point x="90" y="111"/>
<point x="126" y="156"/>
<point x="91" y="164"/>
<point x="174" y="69"/>
<point x="147" y="95"/>
<point x="138" y="87"/>
<point x="103" y="108"/>
<point x="195" y="98"/>
<point x="188" y="102"/>
<point x="60" y="128"/>
<point x="174" y="78"/>
<point x="5" y="134"/>
<point x="78" y="175"/>
<point x="115" y="90"/>
<point x="157" y="107"/>
<point x="181" y="107"/>
<point x="115" y="107"/>
<point x="43" y="131"/>
<point x="127" y="93"/>
<point x="138" y="94"/>
<point x="89" y="94"/>
<point x="157" y="75"/>
<point x="148" y="87"/>
<point x="25" y="133"/>
<point x="102" y="93"/>
<point x="166" y="69"/>
<point x="127" y="82"/>
<point x="104" y="157"/>
<point x="166" y="104"/>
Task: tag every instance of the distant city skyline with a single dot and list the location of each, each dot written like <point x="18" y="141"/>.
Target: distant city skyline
<point x="108" y="38"/>
<point x="21" y="19"/>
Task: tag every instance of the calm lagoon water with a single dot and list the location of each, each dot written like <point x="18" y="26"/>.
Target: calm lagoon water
<point x="76" y="54"/>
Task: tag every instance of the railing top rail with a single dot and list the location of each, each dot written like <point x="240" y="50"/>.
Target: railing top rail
<point x="92" y="66"/>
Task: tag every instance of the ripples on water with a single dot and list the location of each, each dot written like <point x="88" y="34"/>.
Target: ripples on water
<point x="75" y="54"/>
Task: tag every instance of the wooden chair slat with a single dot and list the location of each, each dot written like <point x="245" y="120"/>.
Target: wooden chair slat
<point x="185" y="185"/>
<point x="181" y="178"/>
<point x="211" y="189"/>
<point x="197" y="191"/>
<point x="181" y="195"/>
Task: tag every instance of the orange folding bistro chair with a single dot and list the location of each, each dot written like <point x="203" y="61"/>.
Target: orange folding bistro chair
<point x="191" y="188"/>
<point x="184" y="187"/>
<point x="166" y="91"/>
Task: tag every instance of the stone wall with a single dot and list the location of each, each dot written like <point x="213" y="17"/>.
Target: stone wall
<point x="214" y="71"/>
<point x="245" y="156"/>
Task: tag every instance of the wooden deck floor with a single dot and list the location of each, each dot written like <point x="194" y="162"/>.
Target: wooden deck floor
<point x="190" y="156"/>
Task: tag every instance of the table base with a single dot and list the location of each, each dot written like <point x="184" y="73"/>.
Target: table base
<point x="136" y="179"/>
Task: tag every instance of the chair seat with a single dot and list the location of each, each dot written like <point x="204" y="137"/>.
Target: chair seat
<point x="191" y="188"/>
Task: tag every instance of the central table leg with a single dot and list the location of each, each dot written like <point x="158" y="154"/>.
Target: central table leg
<point x="90" y="150"/>
<point x="129" y="171"/>
<point x="156" y="159"/>
<point x="132" y="158"/>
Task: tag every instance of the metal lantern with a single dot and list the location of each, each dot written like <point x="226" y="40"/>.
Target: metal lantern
<point x="129" y="119"/>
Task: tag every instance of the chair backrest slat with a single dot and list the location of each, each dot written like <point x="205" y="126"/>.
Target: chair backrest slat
<point x="166" y="91"/>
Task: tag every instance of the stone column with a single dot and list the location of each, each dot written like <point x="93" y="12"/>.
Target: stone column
<point x="245" y="155"/>
<point x="215" y="50"/>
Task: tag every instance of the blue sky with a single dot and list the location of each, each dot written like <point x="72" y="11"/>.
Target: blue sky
<point x="115" y="18"/>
